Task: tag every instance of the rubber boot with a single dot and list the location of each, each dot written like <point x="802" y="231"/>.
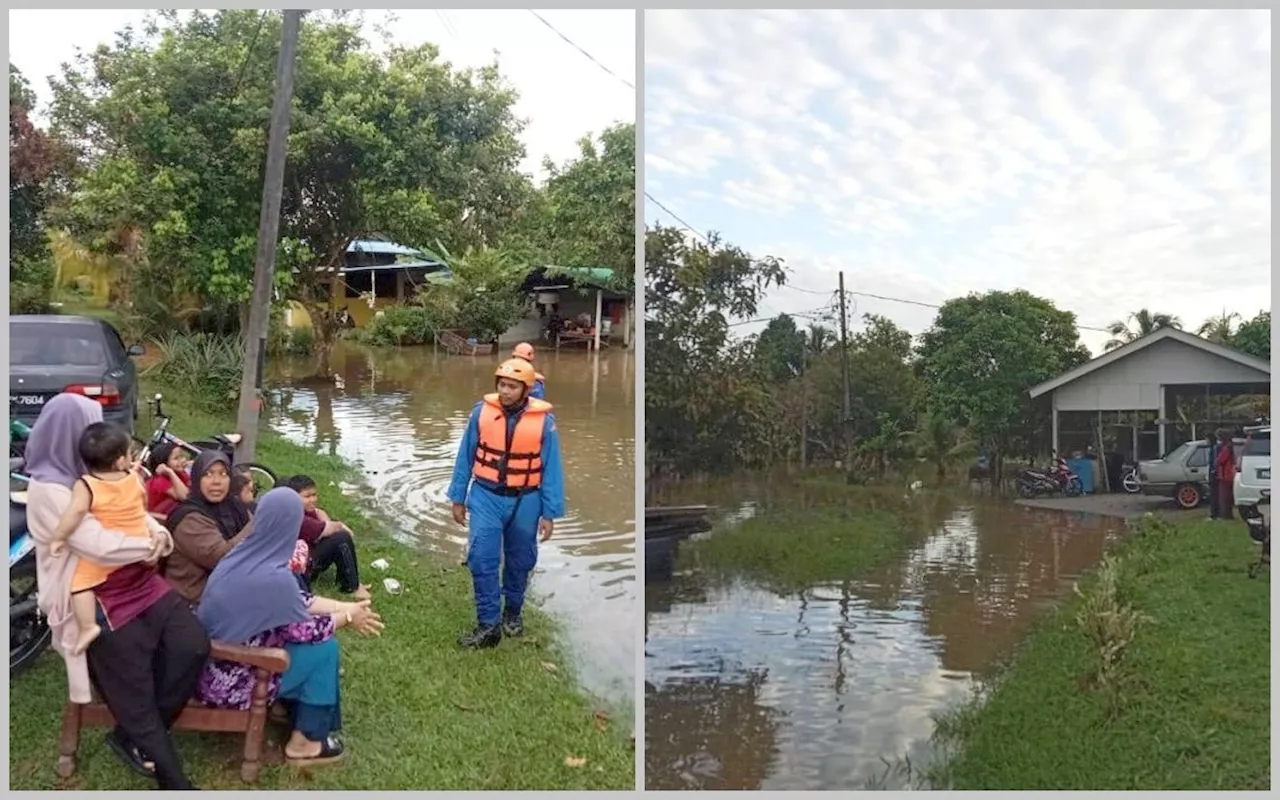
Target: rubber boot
<point x="482" y="637"/>
<point x="512" y="624"/>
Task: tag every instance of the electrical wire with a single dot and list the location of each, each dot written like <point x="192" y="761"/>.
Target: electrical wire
<point x="575" y="46"/>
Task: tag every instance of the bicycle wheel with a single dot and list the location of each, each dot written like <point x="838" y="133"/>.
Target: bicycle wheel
<point x="264" y="480"/>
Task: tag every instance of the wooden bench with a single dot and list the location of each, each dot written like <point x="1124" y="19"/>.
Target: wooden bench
<point x="267" y="661"/>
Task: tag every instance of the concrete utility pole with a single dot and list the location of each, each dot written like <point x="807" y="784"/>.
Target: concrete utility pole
<point x="844" y="380"/>
<point x="268" y="234"/>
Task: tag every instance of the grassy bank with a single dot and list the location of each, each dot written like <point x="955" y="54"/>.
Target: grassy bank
<point x="419" y="713"/>
<point x="819" y="537"/>
<point x="1184" y="702"/>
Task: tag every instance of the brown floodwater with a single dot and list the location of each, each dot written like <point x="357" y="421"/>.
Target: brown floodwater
<point x="836" y="686"/>
<point x="400" y="413"/>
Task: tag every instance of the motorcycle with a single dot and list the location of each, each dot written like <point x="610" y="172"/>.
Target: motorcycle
<point x="1034" y="482"/>
<point x="29" y="633"/>
<point x="1129" y="479"/>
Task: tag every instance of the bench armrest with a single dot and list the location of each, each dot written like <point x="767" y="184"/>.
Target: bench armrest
<point x="273" y="659"/>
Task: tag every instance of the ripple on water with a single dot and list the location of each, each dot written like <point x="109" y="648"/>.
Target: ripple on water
<point x="402" y="420"/>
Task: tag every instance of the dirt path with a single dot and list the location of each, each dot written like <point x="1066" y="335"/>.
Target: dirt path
<point x="1125" y="506"/>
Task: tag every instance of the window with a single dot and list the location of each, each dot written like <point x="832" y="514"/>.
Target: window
<point x="1258" y="444"/>
<point x="47" y="344"/>
<point x="1200" y="458"/>
<point x="1178" y="453"/>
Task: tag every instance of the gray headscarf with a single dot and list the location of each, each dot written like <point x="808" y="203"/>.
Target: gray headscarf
<point x="53" y="447"/>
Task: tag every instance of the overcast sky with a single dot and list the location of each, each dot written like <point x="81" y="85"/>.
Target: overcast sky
<point x="562" y="94"/>
<point x="1107" y="160"/>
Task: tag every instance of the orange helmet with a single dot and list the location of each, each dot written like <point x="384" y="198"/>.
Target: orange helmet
<point x="516" y="370"/>
<point x="523" y="350"/>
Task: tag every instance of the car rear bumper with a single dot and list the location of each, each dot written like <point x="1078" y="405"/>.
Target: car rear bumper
<point x="120" y="416"/>
<point x="1248" y="494"/>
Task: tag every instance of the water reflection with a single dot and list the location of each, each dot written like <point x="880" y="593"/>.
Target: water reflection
<point x="400" y="414"/>
<point x="847" y="673"/>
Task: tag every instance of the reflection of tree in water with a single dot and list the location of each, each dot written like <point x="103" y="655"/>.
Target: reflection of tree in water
<point x="1018" y="561"/>
<point x="709" y="733"/>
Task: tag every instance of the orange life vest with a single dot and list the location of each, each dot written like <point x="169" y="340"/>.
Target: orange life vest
<point x="516" y="464"/>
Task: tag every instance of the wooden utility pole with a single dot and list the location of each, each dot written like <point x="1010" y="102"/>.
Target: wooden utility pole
<point x="268" y="232"/>
<point x="844" y="380"/>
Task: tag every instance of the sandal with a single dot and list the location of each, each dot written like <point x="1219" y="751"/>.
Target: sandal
<point x="331" y="751"/>
<point x="131" y="756"/>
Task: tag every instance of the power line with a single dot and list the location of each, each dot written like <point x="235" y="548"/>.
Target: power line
<point x="806" y="290"/>
<point x="575" y="46"/>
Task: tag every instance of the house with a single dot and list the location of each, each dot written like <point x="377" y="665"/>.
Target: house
<point x="570" y="292"/>
<point x="376" y="274"/>
<point x="1152" y="394"/>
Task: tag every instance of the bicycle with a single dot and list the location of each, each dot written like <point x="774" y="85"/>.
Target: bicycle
<point x="263" y="477"/>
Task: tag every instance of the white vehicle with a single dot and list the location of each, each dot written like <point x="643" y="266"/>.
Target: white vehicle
<point x="1253" y="470"/>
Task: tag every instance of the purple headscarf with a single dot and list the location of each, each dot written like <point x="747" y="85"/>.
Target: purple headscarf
<point x="252" y="590"/>
<point x="53" y="446"/>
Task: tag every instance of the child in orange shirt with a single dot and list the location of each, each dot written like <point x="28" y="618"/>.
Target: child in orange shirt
<point x="114" y="493"/>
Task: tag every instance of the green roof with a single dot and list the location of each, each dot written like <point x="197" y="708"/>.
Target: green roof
<point x="598" y="277"/>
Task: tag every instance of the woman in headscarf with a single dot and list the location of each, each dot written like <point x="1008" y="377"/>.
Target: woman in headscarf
<point x="253" y="598"/>
<point x="205" y="527"/>
<point x="146" y="662"/>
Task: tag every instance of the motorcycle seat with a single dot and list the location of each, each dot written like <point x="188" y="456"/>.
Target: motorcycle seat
<point x="17" y="522"/>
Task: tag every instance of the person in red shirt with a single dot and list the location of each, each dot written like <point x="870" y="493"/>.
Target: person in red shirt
<point x="170" y="480"/>
<point x="1225" y="474"/>
<point x="330" y="541"/>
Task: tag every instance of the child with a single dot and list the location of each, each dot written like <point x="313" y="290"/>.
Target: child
<point x="330" y="541"/>
<point x="242" y="487"/>
<point x="113" y="492"/>
<point x="170" y="482"/>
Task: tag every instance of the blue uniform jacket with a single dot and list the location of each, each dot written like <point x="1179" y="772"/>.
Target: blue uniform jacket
<point x="552" y="489"/>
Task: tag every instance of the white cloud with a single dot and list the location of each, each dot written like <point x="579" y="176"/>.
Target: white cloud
<point x="1108" y="160"/>
<point x="562" y="94"/>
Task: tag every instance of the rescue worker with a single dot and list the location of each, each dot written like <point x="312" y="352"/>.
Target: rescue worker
<point x="524" y="351"/>
<point x="510" y="461"/>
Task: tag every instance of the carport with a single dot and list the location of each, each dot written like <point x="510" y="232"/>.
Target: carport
<point x="1148" y="396"/>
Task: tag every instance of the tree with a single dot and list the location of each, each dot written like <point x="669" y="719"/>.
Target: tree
<point x="172" y="125"/>
<point x="984" y="352"/>
<point x="707" y="405"/>
<point x="483" y="299"/>
<point x="1254" y="337"/>
<point x="1219" y="329"/>
<point x="585" y="214"/>
<point x="780" y="349"/>
<point x="939" y="441"/>
<point x="34" y="160"/>
<point x="1139" y="324"/>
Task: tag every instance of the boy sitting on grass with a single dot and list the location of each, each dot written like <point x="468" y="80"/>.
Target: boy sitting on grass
<point x="330" y="541"/>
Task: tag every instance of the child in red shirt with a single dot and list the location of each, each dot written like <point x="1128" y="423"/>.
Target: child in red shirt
<point x="170" y="481"/>
<point x="330" y="541"/>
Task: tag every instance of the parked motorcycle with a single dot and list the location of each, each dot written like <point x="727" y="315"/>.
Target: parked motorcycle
<point x="29" y="632"/>
<point x="1057" y="479"/>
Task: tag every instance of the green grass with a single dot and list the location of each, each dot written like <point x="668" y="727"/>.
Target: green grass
<point x="419" y="713"/>
<point x="791" y="546"/>
<point x="1195" y="704"/>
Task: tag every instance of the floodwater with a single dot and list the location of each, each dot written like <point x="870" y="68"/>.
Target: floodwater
<point x="400" y="415"/>
<point x="835" y="686"/>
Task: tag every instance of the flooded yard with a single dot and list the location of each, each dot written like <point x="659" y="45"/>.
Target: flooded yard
<point x="400" y="415"/>
<point x="833" y="684"/>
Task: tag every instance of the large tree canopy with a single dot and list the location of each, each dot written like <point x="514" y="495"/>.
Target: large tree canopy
<point x="171" y="124"/>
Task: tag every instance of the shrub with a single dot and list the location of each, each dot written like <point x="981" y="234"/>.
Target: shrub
<point x="284" y="341"/>
<point x="30" y="286"/>
<point x="400" y="325"/>
<point x="203" y="365"/>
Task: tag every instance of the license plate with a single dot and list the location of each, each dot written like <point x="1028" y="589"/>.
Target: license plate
<point x="1264" y="474"/>
<point x="26" y="400"/>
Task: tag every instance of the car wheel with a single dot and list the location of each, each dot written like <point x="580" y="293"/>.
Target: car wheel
<point x="1188" y="496"/>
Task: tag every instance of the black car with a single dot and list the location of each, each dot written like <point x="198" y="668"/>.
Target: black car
<point x="52" y="354"/>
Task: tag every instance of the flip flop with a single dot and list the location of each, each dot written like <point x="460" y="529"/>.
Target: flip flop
<point x="131" y="756"/>
<point x="331" y="752"/>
